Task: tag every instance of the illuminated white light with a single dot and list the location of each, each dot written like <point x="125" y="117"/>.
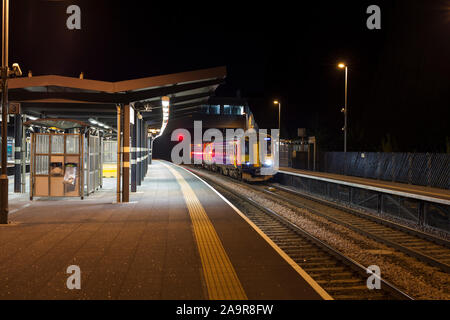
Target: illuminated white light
<point x="98" y="123"/>
<point x="165" y="101"/>
<point x="32" y="118"/>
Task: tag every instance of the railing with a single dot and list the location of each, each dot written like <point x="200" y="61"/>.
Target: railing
<point x="432" y="170"/>
<point x="422" y="169"/>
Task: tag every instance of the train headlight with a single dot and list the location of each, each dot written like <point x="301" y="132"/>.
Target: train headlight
<point x="268" y="163"/>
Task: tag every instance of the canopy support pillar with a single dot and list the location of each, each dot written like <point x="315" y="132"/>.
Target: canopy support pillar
<point x="126" y="154"/>
<point x="119" y="151"/>
<point x="18" y="153"/>
<point x="133" y="155"/>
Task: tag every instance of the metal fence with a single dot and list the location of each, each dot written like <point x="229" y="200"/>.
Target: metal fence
<point x="421" y="169"/>
<point x="296" y="156"/>
<point x="285" y="154"/>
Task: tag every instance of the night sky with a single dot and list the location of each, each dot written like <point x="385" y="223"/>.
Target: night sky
<point x="399" y="76"/>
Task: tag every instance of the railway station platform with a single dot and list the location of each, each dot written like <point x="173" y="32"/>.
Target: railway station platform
<point x="176" y="239"/>
<point x="417" y="206"/>
<point x="402" y="189"/>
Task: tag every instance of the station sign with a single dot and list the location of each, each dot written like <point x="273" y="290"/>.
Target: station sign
<point x="14" y="108"/>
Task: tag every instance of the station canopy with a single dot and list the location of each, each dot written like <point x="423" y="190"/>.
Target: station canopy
<point x="61" y="124"/>
<point x="83" y="99"/>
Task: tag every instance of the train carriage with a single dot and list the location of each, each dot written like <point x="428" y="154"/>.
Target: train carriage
<point x="232" y="159"/>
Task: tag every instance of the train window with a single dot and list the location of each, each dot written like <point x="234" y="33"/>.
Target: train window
<point x="227" y="109"/>
<point x="205" y="109"/>
<point x="269" y="145"/>
<point x="237" y="110"/>
<point x="215" y="109"/>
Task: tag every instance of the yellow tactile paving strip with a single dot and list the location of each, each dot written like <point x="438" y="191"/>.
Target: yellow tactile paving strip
<point x="221" y="278"/>
<point x="109" y="170"/>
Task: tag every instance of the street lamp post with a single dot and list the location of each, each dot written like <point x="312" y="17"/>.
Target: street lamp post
<point x="344" y="66"/>
<point x="276" y="102"/>
<point x="4" y="85"/>
<point x="5" y="74"/>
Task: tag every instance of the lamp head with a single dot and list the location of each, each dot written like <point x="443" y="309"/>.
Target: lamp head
<point x="341" y="65"/>
<point x="165" y="101"/>
<point x="16" y="71"/>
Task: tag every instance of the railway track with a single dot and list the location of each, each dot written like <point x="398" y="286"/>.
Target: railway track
<point x="427" y="248"/>
<point x="342" y="277"/>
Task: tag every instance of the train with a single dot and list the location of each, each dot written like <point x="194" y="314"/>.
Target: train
<point x="228" y="159"/>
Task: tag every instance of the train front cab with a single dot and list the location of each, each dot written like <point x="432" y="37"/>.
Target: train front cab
<point x="252" y="172"/>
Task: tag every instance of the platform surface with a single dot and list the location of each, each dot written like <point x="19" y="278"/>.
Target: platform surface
<point x="413" y="190"/>
<point x="159" y="246"/>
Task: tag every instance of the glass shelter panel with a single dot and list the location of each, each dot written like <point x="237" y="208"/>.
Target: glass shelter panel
<point x="57" y="144"/>
<point x="72" y="145"/>
<point x="109" y="151"/>
<point x="42" y="144"/>
<point x="42" y="165"/>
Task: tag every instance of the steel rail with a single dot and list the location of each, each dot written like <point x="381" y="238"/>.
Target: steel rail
<point x="409" y="251"/>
